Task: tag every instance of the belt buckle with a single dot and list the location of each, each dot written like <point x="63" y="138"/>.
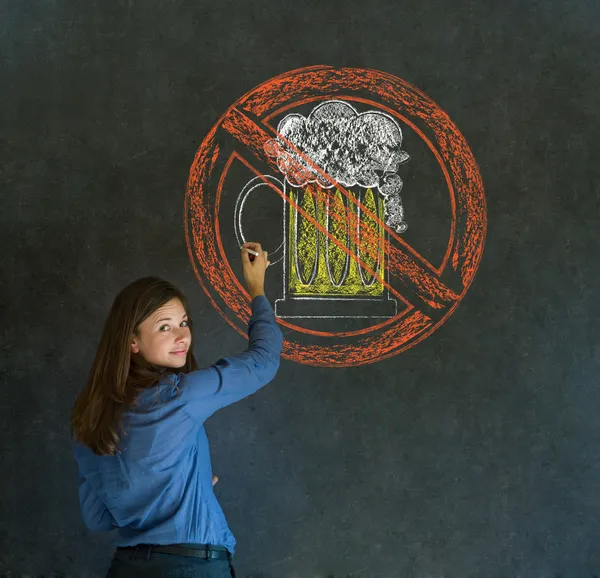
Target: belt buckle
<point x="208" y="553"/>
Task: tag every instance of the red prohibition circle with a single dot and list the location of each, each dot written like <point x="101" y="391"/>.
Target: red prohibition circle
<point x="432" y="299"/>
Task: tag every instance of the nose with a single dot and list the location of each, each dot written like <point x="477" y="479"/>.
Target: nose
<point x="182" y="335"/>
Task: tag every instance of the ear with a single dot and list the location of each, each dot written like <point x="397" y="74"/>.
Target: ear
<point x="135" y="346"/>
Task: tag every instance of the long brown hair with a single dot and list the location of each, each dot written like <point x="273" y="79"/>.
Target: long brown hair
<point x="117" y="375"/>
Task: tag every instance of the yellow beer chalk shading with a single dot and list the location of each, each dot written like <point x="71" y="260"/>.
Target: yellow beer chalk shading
<point x="306" y="236"/>
<point x="310" y="250"/>
<point x="337" y="257"/>
<point x="369" y="241"/>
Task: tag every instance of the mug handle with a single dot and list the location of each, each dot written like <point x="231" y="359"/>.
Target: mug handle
<point x="250" y="186"/>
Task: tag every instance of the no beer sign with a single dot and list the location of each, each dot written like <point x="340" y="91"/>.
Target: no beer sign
<point x="329" y="143"/>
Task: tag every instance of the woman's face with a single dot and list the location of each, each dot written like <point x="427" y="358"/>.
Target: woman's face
<point x="164" y="337"/>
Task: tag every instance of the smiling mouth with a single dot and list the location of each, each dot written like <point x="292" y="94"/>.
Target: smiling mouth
<point x="182" y="352"/>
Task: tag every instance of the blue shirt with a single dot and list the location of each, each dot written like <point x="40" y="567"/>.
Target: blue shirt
<point x="158" y="489"/>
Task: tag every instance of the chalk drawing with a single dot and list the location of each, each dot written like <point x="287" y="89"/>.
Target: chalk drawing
<point x="337" y="145"/>
<point x="254" y="185"/>
<point x="333" y="242"/>
<point x="343" y="252"/>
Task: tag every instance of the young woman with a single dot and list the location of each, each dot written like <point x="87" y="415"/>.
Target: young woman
<point x="138" y="434"/>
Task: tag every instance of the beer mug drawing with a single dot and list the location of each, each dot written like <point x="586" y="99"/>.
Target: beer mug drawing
<point x="340" y="186"/>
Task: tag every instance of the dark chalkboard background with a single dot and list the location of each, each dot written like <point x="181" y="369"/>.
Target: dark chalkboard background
<point x="474" y="453"/>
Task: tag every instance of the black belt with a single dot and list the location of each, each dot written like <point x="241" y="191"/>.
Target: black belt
<point x="205" y="551"/>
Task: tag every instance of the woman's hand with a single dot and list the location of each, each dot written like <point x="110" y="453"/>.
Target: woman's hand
<point x="253" y="268"/>
<point x="215" y="480"/>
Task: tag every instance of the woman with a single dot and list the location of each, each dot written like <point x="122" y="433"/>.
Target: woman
<point x="139" y="440"/>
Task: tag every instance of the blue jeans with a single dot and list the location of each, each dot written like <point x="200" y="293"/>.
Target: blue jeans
<point x="130" y="565"/>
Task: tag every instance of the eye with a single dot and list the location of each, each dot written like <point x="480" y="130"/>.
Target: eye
<point x="185" y="323"/>
<point x="162" y="327"/>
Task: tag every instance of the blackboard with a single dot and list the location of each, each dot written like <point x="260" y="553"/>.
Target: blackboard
<point x="473" y="452"/>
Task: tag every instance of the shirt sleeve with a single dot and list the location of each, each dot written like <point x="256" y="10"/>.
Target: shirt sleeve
<point x="232" y="378"/>
<point x="93" y="511"/>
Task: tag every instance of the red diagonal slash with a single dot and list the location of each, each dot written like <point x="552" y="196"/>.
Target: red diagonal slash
<point x="403" y="268"/>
